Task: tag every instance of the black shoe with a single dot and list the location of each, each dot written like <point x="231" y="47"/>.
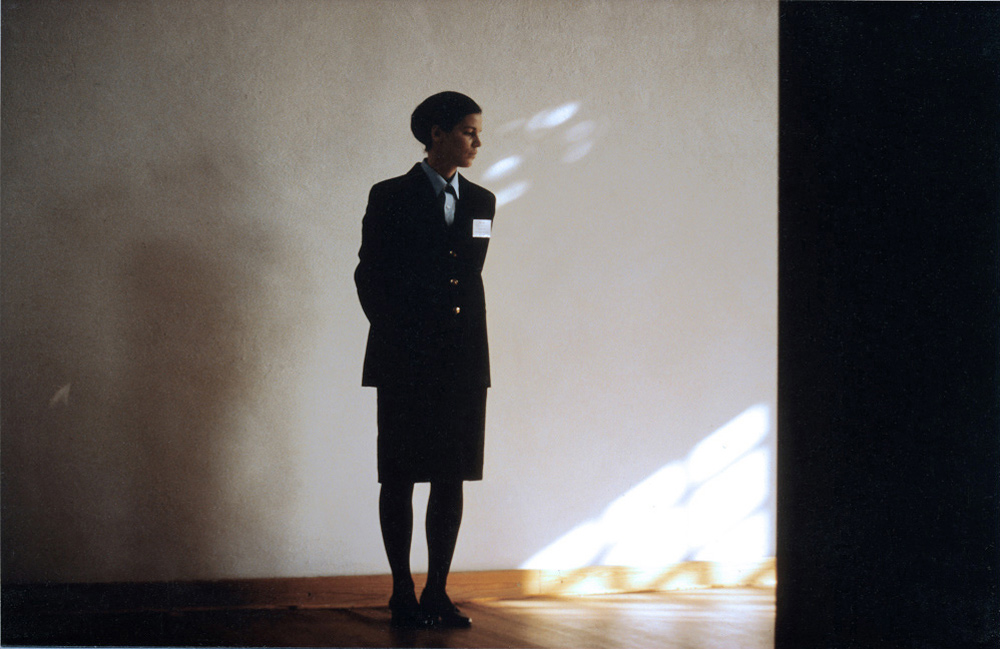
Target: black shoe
<point x="407" y="614"/>
<point x="445" y="614"/>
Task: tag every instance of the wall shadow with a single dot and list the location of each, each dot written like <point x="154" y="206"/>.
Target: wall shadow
<point x="143" y="296"/>
<point x="183" y="377"/>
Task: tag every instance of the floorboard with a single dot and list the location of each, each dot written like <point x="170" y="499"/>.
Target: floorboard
<point x="696" y="619"/>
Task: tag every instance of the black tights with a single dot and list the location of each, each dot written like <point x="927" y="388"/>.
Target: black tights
<point x="444" y="517"/>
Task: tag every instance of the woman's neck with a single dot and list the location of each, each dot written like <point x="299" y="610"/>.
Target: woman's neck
<point x="443" y="167"/>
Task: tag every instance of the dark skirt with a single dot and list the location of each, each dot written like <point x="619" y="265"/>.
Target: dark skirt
<point x="430" y="434"/>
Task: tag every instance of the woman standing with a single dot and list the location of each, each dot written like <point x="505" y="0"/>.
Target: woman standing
<point x="419" y="279"/>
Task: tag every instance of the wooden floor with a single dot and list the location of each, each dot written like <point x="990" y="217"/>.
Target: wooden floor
<point x="696" y="619"/>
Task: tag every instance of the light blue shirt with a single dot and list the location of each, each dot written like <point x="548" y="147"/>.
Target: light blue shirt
<point x="439" y="183"/>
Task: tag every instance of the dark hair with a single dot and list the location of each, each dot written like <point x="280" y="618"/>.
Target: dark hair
<point x="445" y="109"/>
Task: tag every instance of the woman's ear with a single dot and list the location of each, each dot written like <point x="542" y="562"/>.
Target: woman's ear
<point x="437" y="133"/>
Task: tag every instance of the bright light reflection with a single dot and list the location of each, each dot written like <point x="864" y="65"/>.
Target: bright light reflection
<point x="706" y="507"/>
<point x="503" y="167"/>
<point x="512" y="192"/>
<point x="579" y="547"/>
<point x="553" y="117"/>
<point x="665" y="488"/>
<point x="576" y="142"/>
<point x="745" y="542"/>
<point x="651" y="540"/>
<point x="577" y="152"/>
<point x="726" y="499"/>
<point x="579" y="131"/>
<point x="728" y="443"/>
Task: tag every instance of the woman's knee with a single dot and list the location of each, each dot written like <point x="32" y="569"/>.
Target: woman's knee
<point x="446" y="489"/>
<point x="396" y="490"/>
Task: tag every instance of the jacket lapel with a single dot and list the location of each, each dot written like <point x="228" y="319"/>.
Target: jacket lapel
<point x="425" y="203"/>
<point x="462" y="207"/>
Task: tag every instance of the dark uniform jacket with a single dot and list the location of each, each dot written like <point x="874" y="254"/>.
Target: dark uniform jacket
<point x="420" y="285"/>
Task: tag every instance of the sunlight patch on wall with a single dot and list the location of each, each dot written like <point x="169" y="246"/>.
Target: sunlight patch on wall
<point x="557" y="128"/>
<point x="553" y="117"/>
<point x="577" y="152"/>
<point x="512" y="192"/>
<point x="710" y="506"/>
<point x="503" y="167"/>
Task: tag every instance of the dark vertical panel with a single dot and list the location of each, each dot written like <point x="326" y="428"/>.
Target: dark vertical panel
<point x="889" y="343"/>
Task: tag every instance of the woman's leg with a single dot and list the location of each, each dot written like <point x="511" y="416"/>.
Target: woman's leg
<point x="395" y="508"/>
<point x="444" y="517"/>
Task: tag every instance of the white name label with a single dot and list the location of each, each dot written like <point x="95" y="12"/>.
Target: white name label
<point x="481" y="228"/>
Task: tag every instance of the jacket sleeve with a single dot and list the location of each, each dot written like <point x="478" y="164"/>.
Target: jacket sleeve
<point x="371" y="275"/>
<point x="388" y="287"/>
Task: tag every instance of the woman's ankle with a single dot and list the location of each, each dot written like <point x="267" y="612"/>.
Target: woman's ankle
<point x="433" y="591"/>
<point x="403" y="593"/>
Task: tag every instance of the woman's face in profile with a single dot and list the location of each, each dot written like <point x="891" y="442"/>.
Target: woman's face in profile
<point x="459" y="145"/>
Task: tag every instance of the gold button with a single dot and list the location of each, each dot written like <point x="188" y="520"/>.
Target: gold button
<point x="457" y="310"/>
<point x="454" y="282"/>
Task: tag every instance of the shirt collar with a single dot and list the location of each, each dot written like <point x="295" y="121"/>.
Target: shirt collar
<point x="437" y="181"/>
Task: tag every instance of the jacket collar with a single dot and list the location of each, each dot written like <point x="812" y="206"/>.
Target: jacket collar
<point x="421" y="185"/>
<point x="438" y="182"/>
<point x="424" y="192"/>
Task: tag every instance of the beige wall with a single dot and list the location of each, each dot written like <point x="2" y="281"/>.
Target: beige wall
<point x="183" y="183"/>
